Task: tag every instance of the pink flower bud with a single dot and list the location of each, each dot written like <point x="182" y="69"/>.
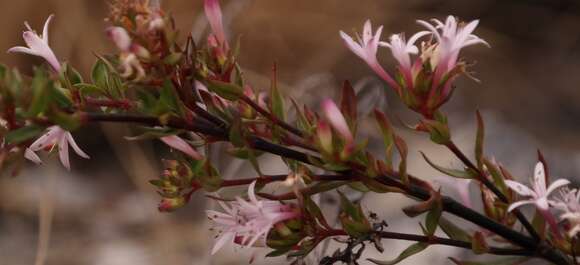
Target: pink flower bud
<point x="336" y="119"/>
<point x="120" y="37"/>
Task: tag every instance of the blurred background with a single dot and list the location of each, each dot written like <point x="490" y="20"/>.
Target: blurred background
<point x="104" y="212"/>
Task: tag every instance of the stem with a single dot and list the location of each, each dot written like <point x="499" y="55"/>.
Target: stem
<point x="276" y="178"/>
<point x="272" y="117"/>
<point x="449" y="205"/>
<point x="527" y="225"/>
<point x="434" y="240"/>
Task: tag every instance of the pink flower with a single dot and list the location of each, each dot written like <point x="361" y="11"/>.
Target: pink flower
<point x="246" y="222"/>
<point x="451" y="38"/>
<point x="366" y="49"/>
<point x="120" y="38"/>
<point x="539" y="193"/>
<point x="38" y="45"/>
<point x="177" y="143"/>
<point x="213" y="13"/>
<point x="336" y="119"/>
<point x="55" y="135"/>
<point x="402" y="51"/>
<point x="569" y="203"/>
<point x="131" y="64"/>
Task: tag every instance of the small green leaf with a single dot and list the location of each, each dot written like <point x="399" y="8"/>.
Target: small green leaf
<point x="173" y="58"/>
<point x="478" y="243"/>
<point x="276" y="100"/>
<point x="209" y="178"/>
<point x="40" y="93"/>
<point x="23" y="134"/>
<point x="496" y="175"/>
<point x="438" y="131"/>
<point x="225" y="90"/>
<point x="100" y="74"/>
<point x="433" y="217"/>
<point x="453" y="231"/>
<point x="410" y="251"/>
<point x="450" y="172"/>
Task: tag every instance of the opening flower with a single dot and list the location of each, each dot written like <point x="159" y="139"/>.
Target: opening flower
<point x="569" y="203"/>
<point x="402" y="50"/>
<point x="538" y="195"/>
<point x="213" y="13"/>
<point x="38" y="45"/>
<point x="246" y="222"/>
<point x="366" y="49"/>
<point x="55" y="135"/>
<point x="451" y="37"/>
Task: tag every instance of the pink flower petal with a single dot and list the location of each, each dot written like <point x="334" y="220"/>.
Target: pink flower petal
<point x="176" y="142"/>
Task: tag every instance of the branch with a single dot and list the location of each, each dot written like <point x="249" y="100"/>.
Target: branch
<point x="455" y="150"/>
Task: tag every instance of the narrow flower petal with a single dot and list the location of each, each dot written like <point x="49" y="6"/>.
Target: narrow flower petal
<point x="63" y="152"/>
<point x="520" y="203"/>
<point x="520" y="188"/>
<point x="45" y="29"/>
<point x="176" y="142"/>
<point x="556" y="185"/>
<point x="75" y="147"/>
<point x="213" y="13"/>
<point x="32" y="156"/>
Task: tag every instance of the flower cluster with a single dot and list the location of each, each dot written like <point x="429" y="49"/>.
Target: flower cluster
<point x="193" y="95"/>
<point x="424" y="83"/>
<point x="247" y="222"/>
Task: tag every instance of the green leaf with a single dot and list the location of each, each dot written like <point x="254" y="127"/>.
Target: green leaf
<point x="432" y="218"/>
<point x="410" y="251"/>
<point x="100" y="74"/>
<point x="349" y="208"/>
<point x="225" y="90"/>
<point x="496" y="175"/>
<point x="478" y="243"/>
<point x="40" y="93"/>
<point x="173" y="59"/>
<point x="438" y="131"/>
<point x="403" y="150"/>
<point x="72" y="75"/>
<point x="450" y="172"/>
<point x="23" y="134"/>
<point x="276" y="100"/>
<point x="209" y="178"/>
<point x="89" y="89"/>
<point x="66" y="121"/>
<point x="168" y="98"/>
<point x="348" y="104"/>
<point x="479" y="141"/>
<point x="453" y="231"/>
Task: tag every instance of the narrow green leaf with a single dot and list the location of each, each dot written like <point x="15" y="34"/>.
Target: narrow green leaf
<point x="100" y="74"/>
<point x="23" y="134"/>
<point x="410" y="251"/>
<point x="453" y="231"/>
<point x="225" y="90"/>
<point x="276" y="100"/>
<point x="450" y="172"/>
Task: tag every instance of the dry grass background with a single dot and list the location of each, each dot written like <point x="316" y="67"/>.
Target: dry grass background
<point x="104" y="212"/>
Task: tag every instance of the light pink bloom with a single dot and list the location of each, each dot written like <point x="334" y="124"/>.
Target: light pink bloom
<point x="177" y="143"/>
<point x="366" y="48"/>
<point x="213" y="13"/>
<point x="120" y="38"/>
<point x="451" y="38"/>
<point x="247" y="222"/>
<point x="539" y="193"/>
<point x="55" y="135"/>
<point x="569" y="203"/>
<point x="131" y="64"/>
<point x="336" y="119"/>
<point x="38" y="45"/>
<point x="402" y="51"/>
